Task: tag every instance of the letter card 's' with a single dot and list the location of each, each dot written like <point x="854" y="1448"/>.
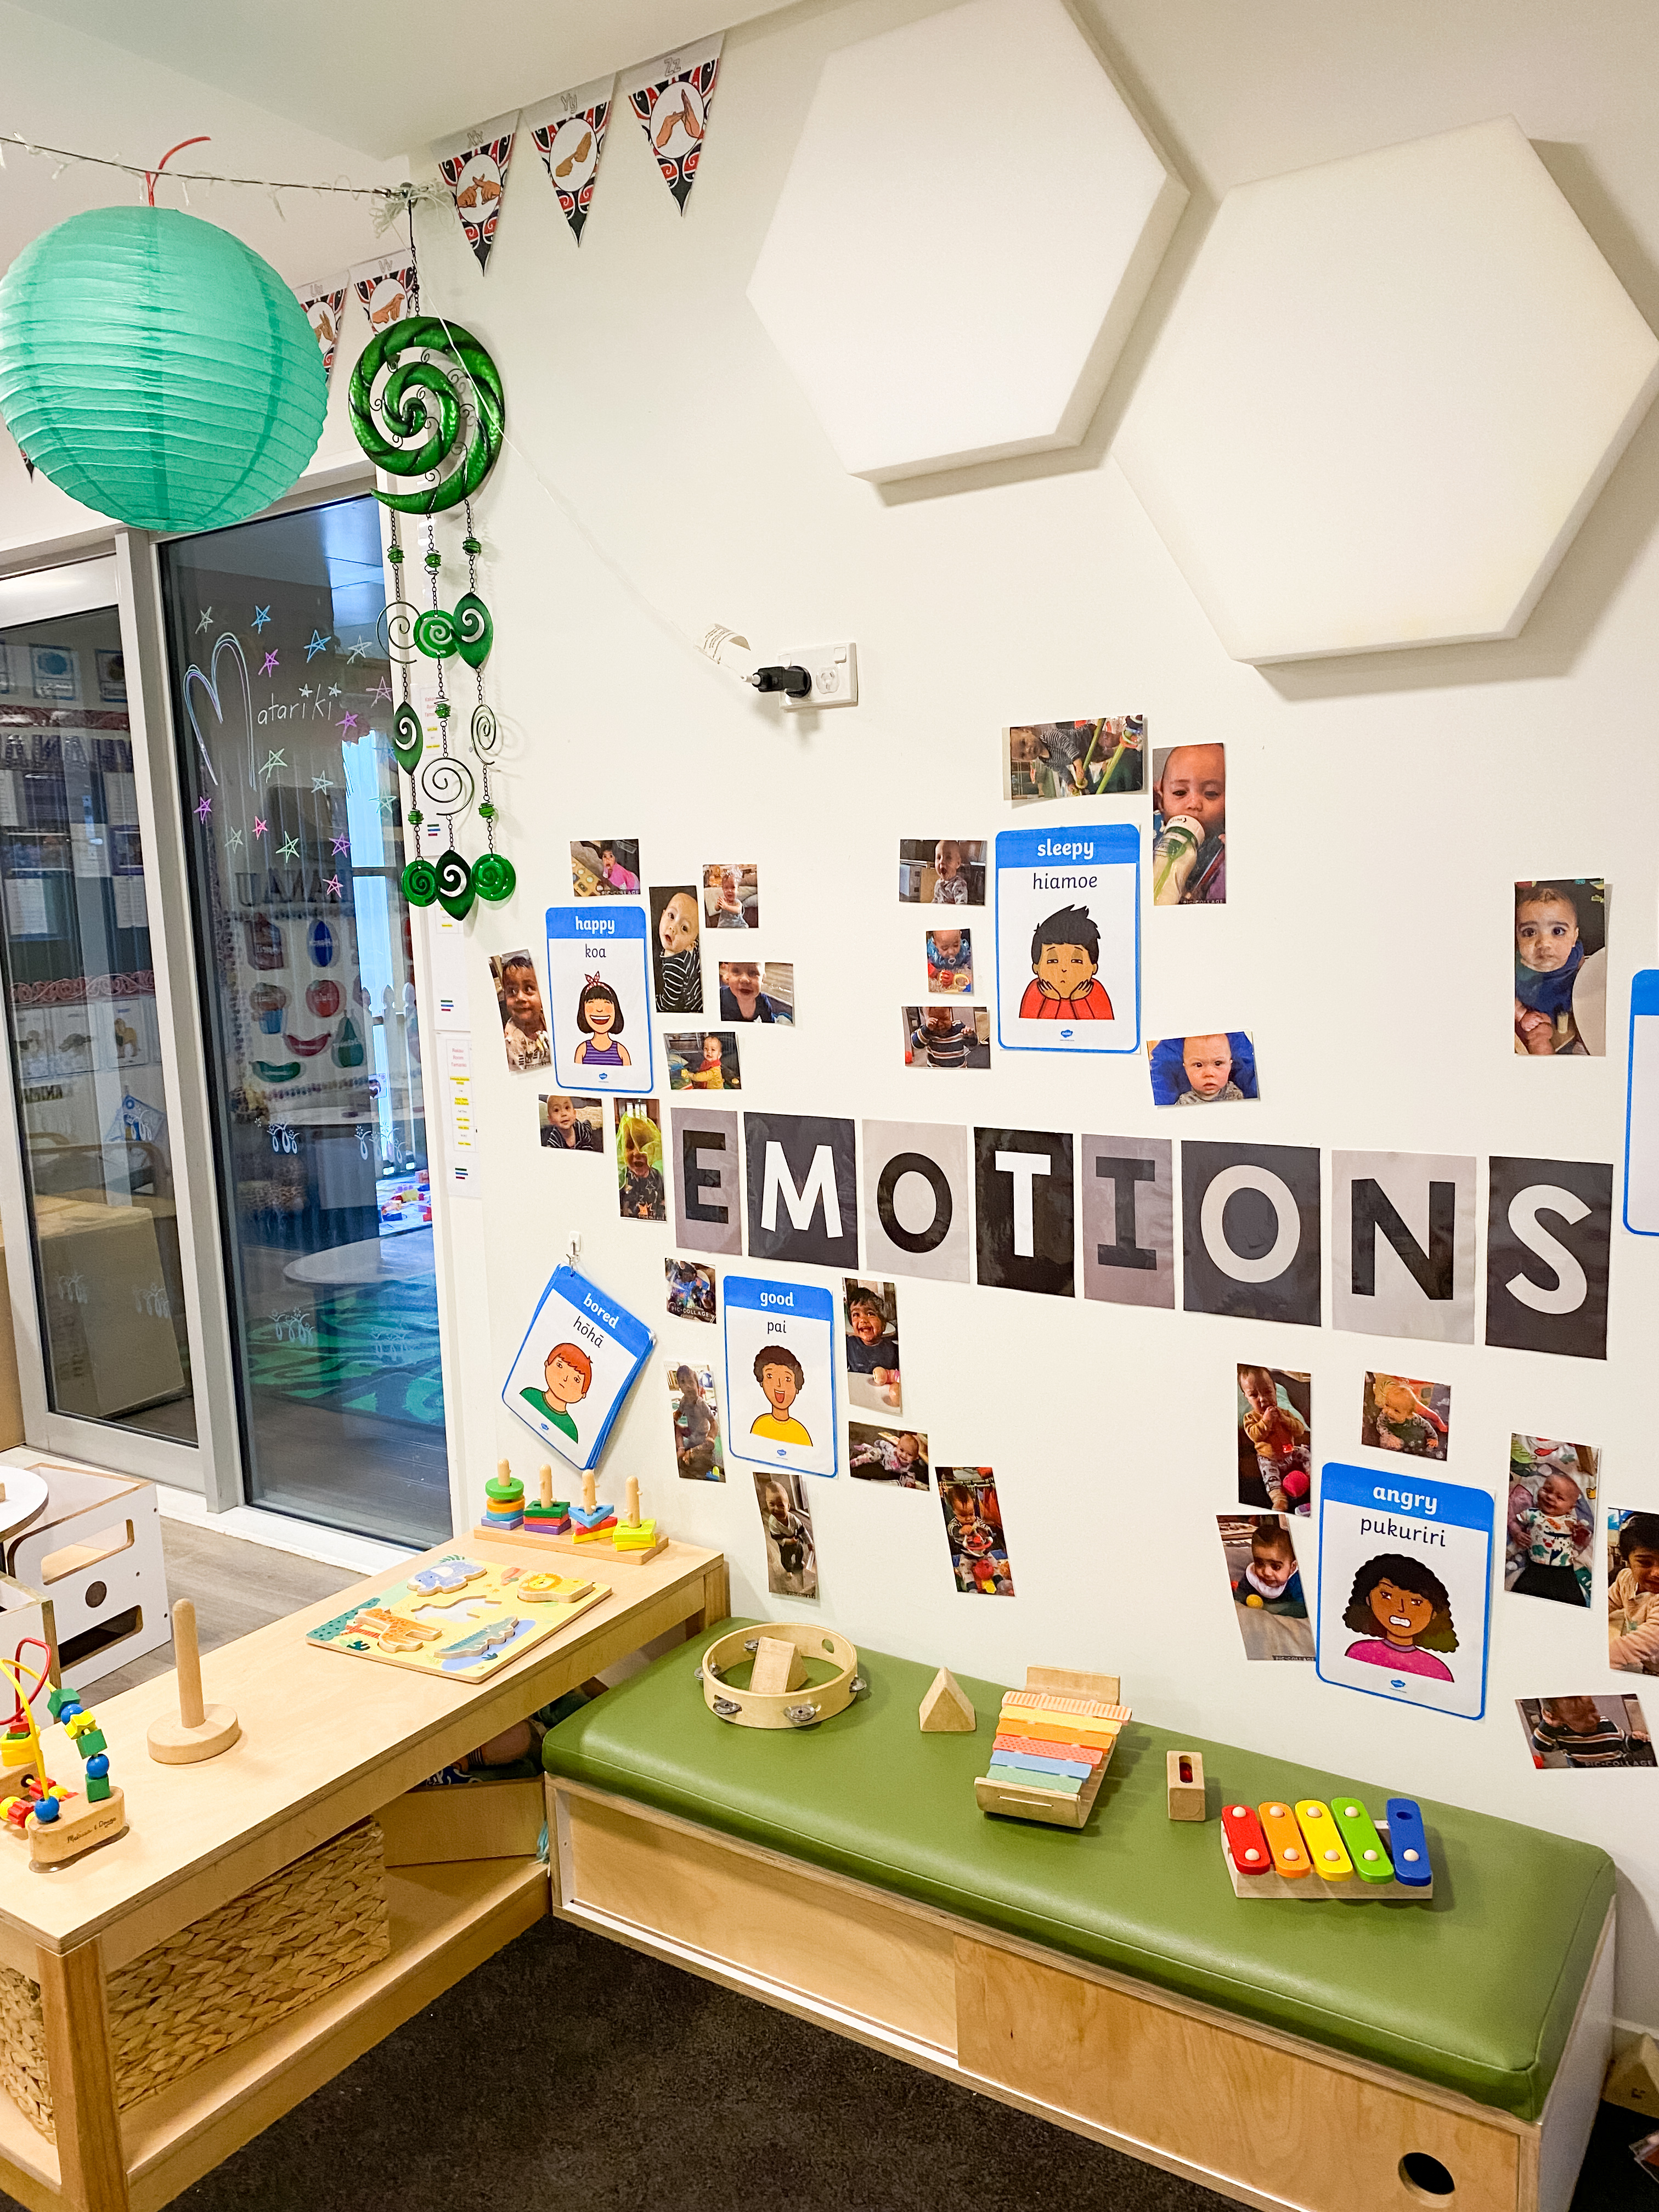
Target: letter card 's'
<point x="581" y="1357"/>
<point x="781" y="1374"/>
<point x="1069" y="937"/>
<point x="598" y="992"/>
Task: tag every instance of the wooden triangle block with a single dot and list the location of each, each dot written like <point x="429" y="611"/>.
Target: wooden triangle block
<point x="947" y="1710"/>
<point x="1633" y="2081"/>
<point x="777" y="1666"/>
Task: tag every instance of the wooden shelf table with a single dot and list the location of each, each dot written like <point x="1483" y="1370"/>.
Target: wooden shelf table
<point x="326" y="1739"/>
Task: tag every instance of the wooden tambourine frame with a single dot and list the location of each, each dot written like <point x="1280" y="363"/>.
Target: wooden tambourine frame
<point x="787" y="1709"/>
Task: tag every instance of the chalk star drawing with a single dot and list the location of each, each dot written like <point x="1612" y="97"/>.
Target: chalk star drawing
<point x="235" y="841"/>
<point x="259" y="827"/>
<point x="321" y="783"/>
<point x="333" y="690"/>
<point x="382" y="690"/>
<point x="332" y="887"/>
<point x="358" y="649"/>
<point x="274" y="759"/>
<point x="289" y="848"/>
<point x="272" y="662"/>
<point x="317" y="643"/>
<point x="347" y="721"/>
<point x="305" y="690"/>
<point x="204" y="807"/>
<point x="384" y="802"/>
<point x="341" y="844"/>
<point x="206" y="623"/>
<point x="261" y="617"/>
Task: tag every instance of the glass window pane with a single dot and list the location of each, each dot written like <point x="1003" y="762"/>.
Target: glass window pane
<point x="282" y="702"/>
<point x="86" y="1046"/>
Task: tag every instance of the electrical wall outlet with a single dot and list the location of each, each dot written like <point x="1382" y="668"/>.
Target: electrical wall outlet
<point x="834" y="670"/>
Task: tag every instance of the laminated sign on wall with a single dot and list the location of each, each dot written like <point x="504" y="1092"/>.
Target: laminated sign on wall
<point x="581" y="1357"/>
<point x="1068" y="939"/>
<point x="781" y="1374"/>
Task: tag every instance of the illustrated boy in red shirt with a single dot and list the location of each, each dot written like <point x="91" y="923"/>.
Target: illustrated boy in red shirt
<point x="1064" y="988"/>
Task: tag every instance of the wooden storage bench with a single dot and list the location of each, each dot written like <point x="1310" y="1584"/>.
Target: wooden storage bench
<point x="1306" y="2054"/>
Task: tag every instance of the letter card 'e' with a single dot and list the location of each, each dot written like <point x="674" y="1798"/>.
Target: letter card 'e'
<point x="1069" y="937"/>
<point x="579" y="1359"/>
<point x="781" y="1374"/>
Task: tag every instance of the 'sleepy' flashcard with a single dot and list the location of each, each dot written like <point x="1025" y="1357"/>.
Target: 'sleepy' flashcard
<point x="781" y="1374"/>
<point x="1405" y="1586"/>
<point x="599" y="988"/>
<point x="579" y="1359"/>
<point x="1068" y="939"/>
<point x="1642" y="1107"/>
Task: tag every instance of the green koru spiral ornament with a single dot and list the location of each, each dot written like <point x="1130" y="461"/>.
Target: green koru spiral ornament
<point x="408" y="738"/>
<point x="436" y="635"/>
<point x="494" y="876"/>
<point x="477" y="628"/>
<point x="420" y="883"/>
<point x="421" y="401"/>
<point x="455" y="885"/>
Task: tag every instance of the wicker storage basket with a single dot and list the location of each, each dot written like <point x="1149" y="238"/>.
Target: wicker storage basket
<point x="235" y="1971"/>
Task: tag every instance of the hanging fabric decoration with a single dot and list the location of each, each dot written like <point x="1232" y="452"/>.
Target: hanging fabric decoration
<point x="386" y="287"/>
<point x="569" y="134"/>
<point x="324" y="305"/>
<point x="474" y="167"/>
<point x="426" y="404"/>
<point x="672" y="99"/>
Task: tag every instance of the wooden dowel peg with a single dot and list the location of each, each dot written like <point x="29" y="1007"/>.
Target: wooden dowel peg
<point x="546" y="1481"/>
<point x="504" y="1470"/>
<point x="590" y="1493"/>
<point x="633" y="1501"/>
<point x="201" y="1731"/>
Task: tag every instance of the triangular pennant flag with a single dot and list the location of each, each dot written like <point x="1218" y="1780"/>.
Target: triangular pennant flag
<point x="385" y="286"/>
<point x="323" y="304"/>
<point x="569" y="134"/>
<point x="474" y="167"/>
<point x="672" y="96"/>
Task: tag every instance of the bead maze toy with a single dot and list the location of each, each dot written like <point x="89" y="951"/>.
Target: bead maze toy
<point x="1314" y="1850"/>
<point x="590" y="1530"/>
<point x="40" y="1808"/>
<point x="459" y="1618"/>
<point x="1055" y="1739"/>
<point x="786" y="1643"/>
<point x="201" y="1731"/>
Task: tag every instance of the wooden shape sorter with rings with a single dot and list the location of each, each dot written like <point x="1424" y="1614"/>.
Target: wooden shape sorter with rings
<point x="459" y="1618"/>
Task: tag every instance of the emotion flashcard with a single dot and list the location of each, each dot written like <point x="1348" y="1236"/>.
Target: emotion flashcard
<point x="1405" y="1586"/>
<point x="781" y="1374"/>
<point x="1068" y="939"/>
<point x="598" y="986"/>
<point x="581" y="1357"/>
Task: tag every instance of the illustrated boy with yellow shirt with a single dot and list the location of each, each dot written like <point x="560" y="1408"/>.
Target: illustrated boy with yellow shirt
<point x="780" y="1376"/>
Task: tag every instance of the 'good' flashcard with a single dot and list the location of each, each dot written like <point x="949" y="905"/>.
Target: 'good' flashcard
<point x="781" y="1374"/>
<point x="598" y="987"/>
<point x="1068" y="939"/>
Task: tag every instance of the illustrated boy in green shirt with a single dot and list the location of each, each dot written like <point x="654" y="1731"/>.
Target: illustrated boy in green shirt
<point x="568" y="1374"/>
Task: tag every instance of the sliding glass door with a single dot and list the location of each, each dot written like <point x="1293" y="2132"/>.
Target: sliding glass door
<point x="282" y="704"/>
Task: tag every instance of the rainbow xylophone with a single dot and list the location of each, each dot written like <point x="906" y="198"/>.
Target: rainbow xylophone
<point x="1050" y="1755"/>
<point x="1315" y="1849"/>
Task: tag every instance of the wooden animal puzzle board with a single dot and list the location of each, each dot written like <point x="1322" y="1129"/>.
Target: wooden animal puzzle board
<point x="459" y="1618"/>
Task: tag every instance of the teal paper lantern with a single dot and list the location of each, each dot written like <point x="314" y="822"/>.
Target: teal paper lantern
<point x="156" y="369"/>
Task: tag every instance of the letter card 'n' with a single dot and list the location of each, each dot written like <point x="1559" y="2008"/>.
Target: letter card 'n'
<point x="581" y="1357"/>
<point x="781" y="1374"/>
<point x="1069" y="937"/>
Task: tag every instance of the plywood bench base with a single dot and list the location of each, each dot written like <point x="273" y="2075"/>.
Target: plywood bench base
<point x="1261" y="2117"/>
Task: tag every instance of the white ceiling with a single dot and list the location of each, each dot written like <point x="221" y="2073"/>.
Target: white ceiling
<point x="387" y="79"/>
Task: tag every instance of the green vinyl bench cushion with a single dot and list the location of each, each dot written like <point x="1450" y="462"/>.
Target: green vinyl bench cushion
<point x="1474" y="1989"/>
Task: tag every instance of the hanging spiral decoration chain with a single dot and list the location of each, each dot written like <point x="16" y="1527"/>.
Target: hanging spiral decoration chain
<point x="444" y="784"/>
<point x="420" y="883"/>
<point x="455" y="885"/>
<point x="485" y="733"/>
<point x="458" y="429"/>
<point x="475" y="629"/>
<point x="408" y="738"/>
<point x="396" y="629"/>
<point x="436" y="635"/>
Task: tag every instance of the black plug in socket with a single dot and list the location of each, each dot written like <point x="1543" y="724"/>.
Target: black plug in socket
<point x="795" y="683"/>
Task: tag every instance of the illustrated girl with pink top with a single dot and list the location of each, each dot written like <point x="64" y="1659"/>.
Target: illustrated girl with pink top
<point x="1408" y="1603"/>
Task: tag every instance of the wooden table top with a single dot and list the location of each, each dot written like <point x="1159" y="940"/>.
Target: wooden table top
<point x="327" y="1738"/>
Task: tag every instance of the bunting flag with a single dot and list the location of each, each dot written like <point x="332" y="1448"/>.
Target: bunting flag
<point x="386" y="287"/>
<point x="672" y="97"/>
<point x="323" y="304"/>
<point x="569" y="133"/>
<point x="474" y="167"/>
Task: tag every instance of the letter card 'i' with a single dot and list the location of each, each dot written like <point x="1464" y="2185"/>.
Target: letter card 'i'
<point x="1069" y="937"/>
<point x="581" y="1357"/>
<point x="781" y="1374"/>
<point x="599" y="993"/>
<point x="1405" y="1587"/>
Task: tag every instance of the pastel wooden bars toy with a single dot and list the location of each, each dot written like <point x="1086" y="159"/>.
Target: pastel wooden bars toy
<point x="201" y="1731"/>
<point x="1183" y="1773"/>
<point x="946" y="1709"/>
<point x="1053" y="1744"/>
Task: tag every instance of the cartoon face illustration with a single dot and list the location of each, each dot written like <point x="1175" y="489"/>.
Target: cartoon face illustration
<point x="1066" y="968"/>
<point x="1401" y="1614"/>
<point x="780" y="1384"/>
<point x="568" y="1374"/>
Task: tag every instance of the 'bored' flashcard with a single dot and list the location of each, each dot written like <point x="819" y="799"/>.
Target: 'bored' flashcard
<point x="781" y="1374"/>
<point x="579" y="1360"/>
<point x="1405" y="1586"/>
<point x="1068" y="939"/>
<point x="599" y="989"/>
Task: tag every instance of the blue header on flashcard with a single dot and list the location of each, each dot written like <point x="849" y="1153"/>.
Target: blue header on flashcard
<point x="635" y="1338"/>
<point x="612" y="919"/>
<point x="1070" y="845"/>
<point x="805" y="1301"/>
<point x="1644" y="992"/>
<point x="1402" y="1492"/>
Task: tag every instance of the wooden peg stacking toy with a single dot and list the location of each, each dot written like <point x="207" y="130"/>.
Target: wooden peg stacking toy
<point x="1184" y="1777"/>
<point x="201" y="1731"/>
<point x="503" y="1500"/>
<point x="947" y="1709"/>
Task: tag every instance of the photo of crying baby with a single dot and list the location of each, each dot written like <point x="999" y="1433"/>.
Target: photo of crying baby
<point x="1561" y="968"/>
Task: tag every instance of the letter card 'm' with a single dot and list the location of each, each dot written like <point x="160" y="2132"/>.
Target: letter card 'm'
<point x="581" y="1357"/>
<point x="1069" y="937"/>
<point x="599" y="993"/>
<point x="781" y="1374"/>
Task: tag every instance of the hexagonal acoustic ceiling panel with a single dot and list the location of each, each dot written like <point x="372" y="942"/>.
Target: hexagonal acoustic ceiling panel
<point x="1389" y="393"/>
<point x="966" y="235"/>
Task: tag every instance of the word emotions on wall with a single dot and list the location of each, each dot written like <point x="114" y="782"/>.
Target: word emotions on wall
<point x="781" y="1374"/>
<point x="1405" y="1587"/>
<point x="1068" y="939"/>
<point x="599" y="985"/>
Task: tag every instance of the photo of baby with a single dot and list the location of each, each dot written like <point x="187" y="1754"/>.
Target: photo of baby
<point x="895" y="1455"/>
<point x="1587" y="1731"/>
<point x="870" y="1309"/>
<point x="690" y="1289"/>
<point x="1400" y="1415"/>
<point x="942" y="870"/>
<point x="1189" y="826"/>
<point x="640" y="1190"/>
<point x="1064" y="985"/>
<point x="749" y="995"/>
<point x="1401" y="1612"/>
<point x="949" y="962"/>
<point x="676" y="949"/>
<point x="605" y="868"/>
<point x="1265" y="1583"/>
<point x="572" y="1125"/>
<point x="792" y="1560"/>
<point x="1550" y="1533"/>
<point x="1561" y="968"/>
<point x="947" y="1036"/>
<point x="1633" y="1592"/>
<point x="1075" y="760"/>
<point x="1275" y="1439"/>
<point x="731" y="895"/>
<point x="1202" y="1071"/>
<point x="695" y="1409"/>
<point x="524" y="1018"/>
<point x="706" y="1060"/>
<point x="972" y="1529"/>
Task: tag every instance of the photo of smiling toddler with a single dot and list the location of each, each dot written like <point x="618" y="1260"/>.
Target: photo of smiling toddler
<point x="1633" y="1592"/>
<point x="677" y="949"/>
<point x="1550" y="1536"/>
<point x="1560" y="968"/>
<point x="524" y="1017"/>
<point x="1189" y="826"/>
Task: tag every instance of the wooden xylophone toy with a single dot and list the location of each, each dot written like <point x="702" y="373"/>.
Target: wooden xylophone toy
<point x="1313" y="1849"/>
<point x="1050" y="1754"/>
